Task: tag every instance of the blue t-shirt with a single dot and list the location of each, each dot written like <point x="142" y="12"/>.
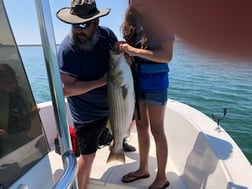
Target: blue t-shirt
<point x="87" y="66"/>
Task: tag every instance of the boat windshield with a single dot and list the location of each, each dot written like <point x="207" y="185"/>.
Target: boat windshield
<point x="22" y="139"/>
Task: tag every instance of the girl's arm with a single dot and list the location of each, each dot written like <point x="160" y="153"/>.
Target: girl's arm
<point x="163" y="55"/>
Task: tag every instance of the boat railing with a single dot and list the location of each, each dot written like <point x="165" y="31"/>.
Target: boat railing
<point x="70" y="164"/>
<point x="68" y="179"/>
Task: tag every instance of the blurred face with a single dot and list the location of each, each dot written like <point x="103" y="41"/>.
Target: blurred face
<point x="217" y="26"/>
<point x="139" y="5"/>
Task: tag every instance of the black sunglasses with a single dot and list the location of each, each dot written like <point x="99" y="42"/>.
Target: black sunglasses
<point x="82" y="25"/>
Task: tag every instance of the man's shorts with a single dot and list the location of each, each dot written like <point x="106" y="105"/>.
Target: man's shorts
<point x="159" y="98"/>
<point x="91" y="134"/>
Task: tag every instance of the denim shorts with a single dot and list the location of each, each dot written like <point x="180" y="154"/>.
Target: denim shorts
<point x="157" y="98"/>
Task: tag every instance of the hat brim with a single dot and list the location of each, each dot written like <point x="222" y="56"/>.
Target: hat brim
<point x="65" y="16"/>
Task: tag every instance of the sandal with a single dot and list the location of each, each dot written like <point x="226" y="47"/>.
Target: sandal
<point x="164" y="186"/>
<point x="130" y="177"/>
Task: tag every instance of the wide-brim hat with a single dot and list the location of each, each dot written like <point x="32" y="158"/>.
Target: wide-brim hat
<point x="81" y="11"/>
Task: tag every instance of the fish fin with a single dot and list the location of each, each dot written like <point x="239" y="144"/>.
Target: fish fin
<point x="124" y="91"/>
<point x="108" y="125"/>
<point x="119" y="156"/>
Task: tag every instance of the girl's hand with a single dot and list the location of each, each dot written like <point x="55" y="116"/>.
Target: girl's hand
<point x="125" y="47"/>
<point x="117" y="46"/>
<point x="122" y="46"/>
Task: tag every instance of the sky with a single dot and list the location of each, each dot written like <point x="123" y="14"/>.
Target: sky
<point x="23" y="18"/>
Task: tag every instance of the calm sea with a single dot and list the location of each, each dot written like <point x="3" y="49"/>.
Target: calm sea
<point x="206" y="83"/>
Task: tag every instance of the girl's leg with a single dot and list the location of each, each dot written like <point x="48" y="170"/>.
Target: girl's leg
<point x="156" y="115"/>
<point x="144" y="145"/>
<point x="143" y="138"/>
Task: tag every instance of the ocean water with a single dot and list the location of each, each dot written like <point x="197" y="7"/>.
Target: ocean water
<point x="204" y="82"/>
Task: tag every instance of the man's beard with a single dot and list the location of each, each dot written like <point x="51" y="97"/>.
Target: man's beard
<point x="89" y="43"/>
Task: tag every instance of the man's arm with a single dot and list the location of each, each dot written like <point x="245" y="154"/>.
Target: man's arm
<point x="73" y="87"/>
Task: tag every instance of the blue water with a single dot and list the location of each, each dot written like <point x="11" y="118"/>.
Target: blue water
<point x="204" y="82"/>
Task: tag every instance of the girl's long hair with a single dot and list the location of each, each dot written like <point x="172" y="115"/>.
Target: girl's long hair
<point x="131" y="30"/>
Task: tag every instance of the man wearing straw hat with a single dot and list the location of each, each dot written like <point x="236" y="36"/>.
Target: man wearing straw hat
<point x="83" y="60"/>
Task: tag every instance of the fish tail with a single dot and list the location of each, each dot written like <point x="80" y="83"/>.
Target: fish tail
<point x="116" y="156"/>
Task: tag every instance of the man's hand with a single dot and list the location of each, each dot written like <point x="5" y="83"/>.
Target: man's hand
<point x="2" y="132"/>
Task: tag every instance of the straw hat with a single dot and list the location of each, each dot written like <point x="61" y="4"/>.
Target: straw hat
<point x="81" y="11"/>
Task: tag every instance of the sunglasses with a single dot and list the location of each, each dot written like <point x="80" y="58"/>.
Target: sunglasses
<point x="82" y="25"/>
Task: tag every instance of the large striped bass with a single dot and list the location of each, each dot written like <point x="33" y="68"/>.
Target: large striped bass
<point x="121" y="103"/>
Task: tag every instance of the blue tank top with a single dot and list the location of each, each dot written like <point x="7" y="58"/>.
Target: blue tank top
<point x="152" y="76"/>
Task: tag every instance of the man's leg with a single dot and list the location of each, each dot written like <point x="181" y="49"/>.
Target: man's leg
<point x="127" y="147"/>
<point x="85" y="163"/>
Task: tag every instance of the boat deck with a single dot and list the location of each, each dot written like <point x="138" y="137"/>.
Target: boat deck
<point x="109" y="175"/>
<point x="199" y="155"/>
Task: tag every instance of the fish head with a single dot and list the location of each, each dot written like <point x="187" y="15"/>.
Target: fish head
<point x="114" y="63"/>
<point x="118" y="68"/>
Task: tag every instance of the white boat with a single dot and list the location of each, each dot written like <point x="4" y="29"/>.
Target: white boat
<point x="202" y="155"/>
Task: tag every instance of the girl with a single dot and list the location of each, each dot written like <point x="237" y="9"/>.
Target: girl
<point x="150" y="52"/>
